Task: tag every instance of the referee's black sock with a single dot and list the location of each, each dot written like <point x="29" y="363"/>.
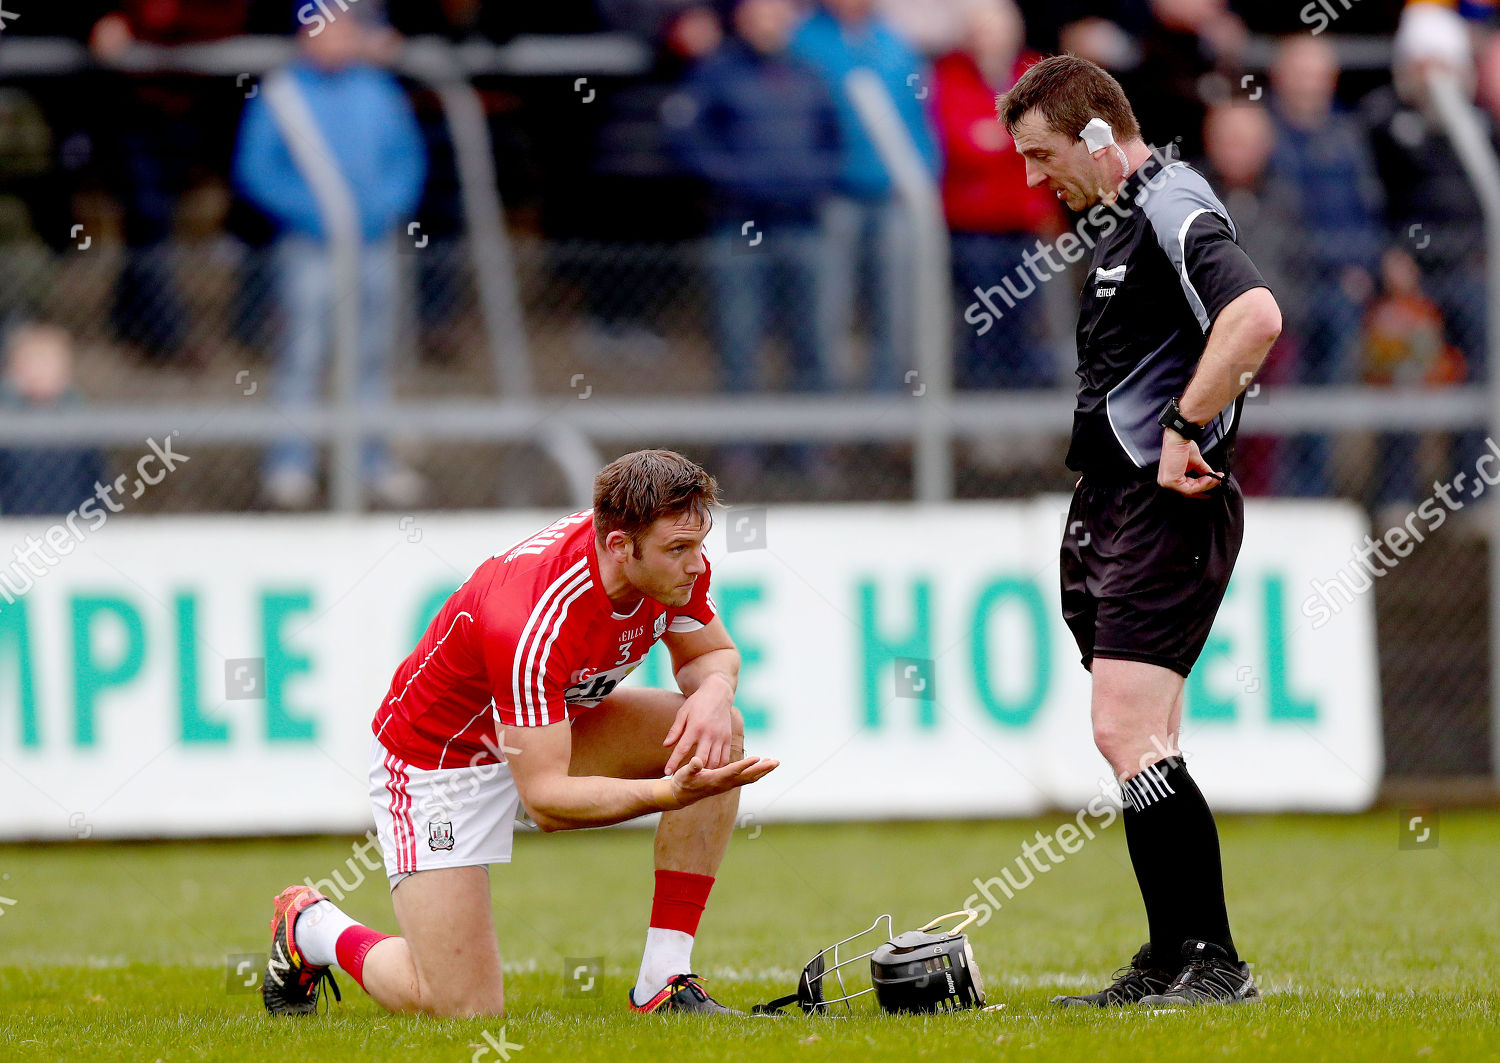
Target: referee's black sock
<point x="1174" y="846"/>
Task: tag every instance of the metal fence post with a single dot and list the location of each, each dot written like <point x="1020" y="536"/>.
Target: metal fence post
<point x="484" y="216"/>
<point x="933" y="334"/>
<point x="312" y="157"/>
<point x="1472" y="144"/>
<point x="494" y="265"/>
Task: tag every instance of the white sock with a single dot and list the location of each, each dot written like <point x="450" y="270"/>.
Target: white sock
<point x="668" y="953"/>
<point x="317" y="933"/>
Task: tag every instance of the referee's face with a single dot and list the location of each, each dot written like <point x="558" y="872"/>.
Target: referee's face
<point x="1060" y="162"/>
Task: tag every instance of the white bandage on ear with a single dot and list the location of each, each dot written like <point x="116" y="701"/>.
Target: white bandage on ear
<point x="1097" y="134"/>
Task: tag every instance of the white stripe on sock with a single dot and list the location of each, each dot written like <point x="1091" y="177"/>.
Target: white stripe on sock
<point x="1162" y="778"/>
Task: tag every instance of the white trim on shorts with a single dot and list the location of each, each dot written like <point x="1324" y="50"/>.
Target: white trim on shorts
<point x="445" y="817"/>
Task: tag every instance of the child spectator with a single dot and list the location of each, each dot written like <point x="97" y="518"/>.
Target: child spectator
<point x="42" y="480"/>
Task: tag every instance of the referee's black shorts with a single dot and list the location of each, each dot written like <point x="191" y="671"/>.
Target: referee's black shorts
<point x="1144" y="568"/>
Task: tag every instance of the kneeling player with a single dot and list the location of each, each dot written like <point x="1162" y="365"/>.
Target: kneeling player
<point x="539" y="638"/>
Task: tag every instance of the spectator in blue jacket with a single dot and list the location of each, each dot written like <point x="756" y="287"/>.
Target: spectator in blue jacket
<point x="759" y="126"/>
<point x="869" y="234"/>
<point x="368" y="129"/>
<point x="1321" y="156"/>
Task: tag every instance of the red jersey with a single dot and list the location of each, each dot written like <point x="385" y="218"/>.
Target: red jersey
<point x="529" y="639"/>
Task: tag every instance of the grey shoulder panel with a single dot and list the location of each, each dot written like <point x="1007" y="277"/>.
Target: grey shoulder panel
<point x="1172" y="200"/>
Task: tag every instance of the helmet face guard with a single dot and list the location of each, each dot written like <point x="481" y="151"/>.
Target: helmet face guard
<point x="811" y="995"/>
<point x="924" y="970"/>
<point x="918" y="971"/>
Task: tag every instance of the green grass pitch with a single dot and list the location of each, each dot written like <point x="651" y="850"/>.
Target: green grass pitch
<point x="1366" y="951"/>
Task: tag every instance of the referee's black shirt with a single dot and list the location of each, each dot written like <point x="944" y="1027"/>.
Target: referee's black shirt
<point x="1165" y="263"/>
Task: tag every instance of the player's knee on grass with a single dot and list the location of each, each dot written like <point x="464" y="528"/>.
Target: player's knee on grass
<point x="465" y="999"/>
<point x="475" y="1003"/>
<point x="452" y="964"/>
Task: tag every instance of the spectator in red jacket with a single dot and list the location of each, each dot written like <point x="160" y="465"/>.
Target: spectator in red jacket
<point x="995" y="218"/>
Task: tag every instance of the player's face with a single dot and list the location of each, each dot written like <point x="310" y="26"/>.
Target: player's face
<point x="1060" y="162"/>
<point x="671" y="558"/>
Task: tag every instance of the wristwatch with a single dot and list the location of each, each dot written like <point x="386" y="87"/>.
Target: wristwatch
<point x="1171" y="417"/>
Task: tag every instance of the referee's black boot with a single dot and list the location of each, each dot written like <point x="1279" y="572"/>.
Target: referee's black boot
<point x="1210" y="977"/>
<point x="1140" y="979"/>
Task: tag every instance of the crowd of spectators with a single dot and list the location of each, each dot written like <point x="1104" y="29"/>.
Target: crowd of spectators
<point x="743" y="134"/>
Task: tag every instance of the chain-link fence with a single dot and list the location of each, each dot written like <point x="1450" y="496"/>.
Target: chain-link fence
<point x="211" y="315"/>
<point x="612" y="321"/>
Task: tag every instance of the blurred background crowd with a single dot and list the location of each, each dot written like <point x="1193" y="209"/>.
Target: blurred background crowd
<point x="718" y="221"/>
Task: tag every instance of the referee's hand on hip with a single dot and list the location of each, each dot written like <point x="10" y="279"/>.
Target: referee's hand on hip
<point x="1182" y="468"/>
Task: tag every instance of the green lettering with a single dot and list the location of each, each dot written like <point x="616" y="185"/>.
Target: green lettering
<point x="282" y="664"/>
<point x="194" y="726"/>
<point x="652" y="671"/>
<point x="1014" y="711"/>
<point x="1284" y="705"/>
<point x="880" y="652"/>
<point x="431" y="606"/>
<point x="15" y="644"/>
<point x="1201" y="702"/>
<point x="92" y="676"/>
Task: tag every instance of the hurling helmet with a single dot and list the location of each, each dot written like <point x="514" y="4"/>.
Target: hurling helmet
<point x="922" y="970"/>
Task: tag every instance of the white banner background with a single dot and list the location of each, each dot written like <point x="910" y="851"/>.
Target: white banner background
<point x="114" y="719"/>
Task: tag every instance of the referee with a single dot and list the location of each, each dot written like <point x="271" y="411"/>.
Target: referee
<point x="1175" y="320"/>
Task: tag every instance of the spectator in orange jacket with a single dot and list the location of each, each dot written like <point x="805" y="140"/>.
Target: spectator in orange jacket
<point x="995" y="218"/>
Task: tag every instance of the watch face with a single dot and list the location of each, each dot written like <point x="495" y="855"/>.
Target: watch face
<point x="1171" y="417"/>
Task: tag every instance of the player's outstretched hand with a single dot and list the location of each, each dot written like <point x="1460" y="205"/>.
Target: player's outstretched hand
<point x="693" y="782"/>
<point x="1182" y="467"/>
<point x="704" y="726"/>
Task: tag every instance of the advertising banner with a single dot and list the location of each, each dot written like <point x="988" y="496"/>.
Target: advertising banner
<point x="217" y="676"/>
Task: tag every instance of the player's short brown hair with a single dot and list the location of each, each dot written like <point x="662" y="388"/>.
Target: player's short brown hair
<point x="632" y="492"/>
<point x="1069" y="92"/>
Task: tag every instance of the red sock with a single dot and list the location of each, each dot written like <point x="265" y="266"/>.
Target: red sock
<point x="679" y="901"/>
<point x="352" y="947"/>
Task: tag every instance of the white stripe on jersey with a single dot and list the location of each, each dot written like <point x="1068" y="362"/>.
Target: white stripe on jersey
<point x="531" y="623"/>
<point x="535" y="690"/>
<point x="413" y="679"/>
<point x="444" y="754"/>
<point x="541" y="672"/>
